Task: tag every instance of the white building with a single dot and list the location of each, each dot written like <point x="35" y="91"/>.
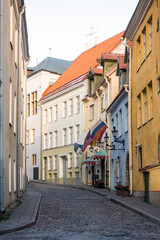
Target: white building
<point x="40" y="77"/>
<point x="13" y="77"/>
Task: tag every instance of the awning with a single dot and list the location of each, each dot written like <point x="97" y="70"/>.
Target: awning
<point x="90" y="160"/>
<point x="99" y="155"/>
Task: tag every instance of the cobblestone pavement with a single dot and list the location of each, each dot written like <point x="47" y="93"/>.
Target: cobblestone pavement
<point x="73" y="214"/>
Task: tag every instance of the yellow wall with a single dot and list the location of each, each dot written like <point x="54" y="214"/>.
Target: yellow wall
<point x="147" y="134"/>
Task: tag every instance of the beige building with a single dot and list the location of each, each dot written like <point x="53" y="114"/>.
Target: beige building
<point x="13" y="60"/>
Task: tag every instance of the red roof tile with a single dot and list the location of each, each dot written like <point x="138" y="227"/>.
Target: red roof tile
<point x="97" y="70"/>
<point x="122" y="65"/>
<point x="110" y="56"/>
<point x="83" y="63"/>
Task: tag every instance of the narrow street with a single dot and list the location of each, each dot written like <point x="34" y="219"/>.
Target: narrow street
<point x="73" y="214"/>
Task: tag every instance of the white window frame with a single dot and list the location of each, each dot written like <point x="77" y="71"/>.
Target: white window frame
<point x="14" y="176"/>
<point x="50" y="115"/>
<point x="10" y="174"/>
<point x="27" y="137"/>
<point x="55" y="138"/>
<point x="77" y="131"/>
<point x="71" y="107"/>
<point x="11" y="25"/>
<point x="70" y="135"/>
<point x="49" y="163"/>
<point x="64" y="137"/>
<point x="76" y="165"/>
<point x="64" y="109"/>
<point x="45" y="116"/>
<point x="10" y="102"/>
<point x="55" y="162"/>
<point x="45" y="141"/>
<point x="91" y="112"/>
<point x="32" y="135"/>
<point x="77" y="105"/>
<point x="15" y="113"/>
<point x="70" y="158"/>
<point x="50" y="140"/>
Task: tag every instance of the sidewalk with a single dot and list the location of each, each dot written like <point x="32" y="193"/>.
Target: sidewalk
<point x="25" y="215"/>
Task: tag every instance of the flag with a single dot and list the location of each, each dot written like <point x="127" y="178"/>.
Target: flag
<point x="78" y="146"/>
<point x="95" y="134"/>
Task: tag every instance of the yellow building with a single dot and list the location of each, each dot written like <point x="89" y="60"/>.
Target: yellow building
<point x="143" y="31"/>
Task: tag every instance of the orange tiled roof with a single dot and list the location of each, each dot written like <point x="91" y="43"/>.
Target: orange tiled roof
<point x="110" y="56"/>
<point x="122" y="65"/>
<point x="97" y="70"/>
<point x="83" y="63"/>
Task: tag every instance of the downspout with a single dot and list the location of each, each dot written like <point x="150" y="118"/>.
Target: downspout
<point x="42" y="177"/>
<point x="109" y="152"/>
<point x="1" y="107"/>
<point x="130" y="119"/>
<point x="19" y="105"/>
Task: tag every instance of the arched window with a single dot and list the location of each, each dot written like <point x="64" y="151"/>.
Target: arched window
<point x="159" y="148"/>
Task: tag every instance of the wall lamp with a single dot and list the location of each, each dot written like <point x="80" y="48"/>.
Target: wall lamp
<point x="115" y="132"/>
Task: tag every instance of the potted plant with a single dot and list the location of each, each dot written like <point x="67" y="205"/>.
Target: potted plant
<point x="125" y="191"/>
<point x="118" y="188"/>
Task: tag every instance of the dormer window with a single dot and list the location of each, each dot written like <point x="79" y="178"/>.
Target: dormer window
<point x="92" y="86"/>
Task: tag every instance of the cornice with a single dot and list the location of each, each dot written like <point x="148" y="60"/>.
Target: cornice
<point x="137" y="18"/>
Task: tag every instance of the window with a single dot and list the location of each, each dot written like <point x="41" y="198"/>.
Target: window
<point x="77" y="132"/>
<point x="116" y="123"/>
<point x="140" y="156"/>
<point x="138" y="52"/>
<point x="77" y="105"/>
<point x="14" y="175"/>
<point x="126" y="117"/>
<point x="118" y="170"/>
<point x="21" y="128"/>
<point x="150" y="100"/>
<point x="91" y="112"/>
<point x="71" y="107"/>
<point x="28" y="105"/>
<point x="144" y="43"/>
<point x="64" y="136"/>
<point x="34" y="103"/>
<point x="16" y="46"/>
<point x="92" y="86"/>
<point x="120" y="122"/>
<point x="50" y="115"/>
<point x="55" y="162"/>
<point x="139" y="110"/>
<point x="34" y="160"/>
<point x="158" y="25"/>
<point x="49" y="163"/>
<point x="10" y="175"/>
<point x="11" y="26"/>
<point x="33" y="136"/>
<point x="55" y="139"/>
<point x="50" y="140"/>
<point x="159" y="148"/>
<point x="70" y="135"/>
<point x="55" y="112"/>
<point x="76" y="165"/>
<point x="27" y="137"/>
<point x="45" y="116"/>
<point x="15" y="113"/>
<point x="70" y="174"/>
<point x="158" y="78"/>
<point x="45" y="141"/>
<point x="150" y="33"/>
<point x="10" y="103"/>
<point x="145" y="106"/>
<point x="103" y="102"/>
<point x="70" y="160"/>
<point x="64" y="109"/>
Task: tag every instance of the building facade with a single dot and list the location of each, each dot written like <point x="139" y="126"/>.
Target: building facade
<point x="143" y="30"/>
<point x="14" y="57"/>
<point x="39" y="78"/>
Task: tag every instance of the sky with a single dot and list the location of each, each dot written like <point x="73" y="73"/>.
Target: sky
<point x="65" y="28"/>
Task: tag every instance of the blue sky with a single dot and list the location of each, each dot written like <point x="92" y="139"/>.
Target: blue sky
<point x="68" y="26"/>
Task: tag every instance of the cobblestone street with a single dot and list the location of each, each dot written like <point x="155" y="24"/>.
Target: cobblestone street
<point x="73" y="214"/>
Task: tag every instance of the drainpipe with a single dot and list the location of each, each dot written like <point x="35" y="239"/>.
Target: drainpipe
<point x="42" y="177"/>
<point x="1" y="107"/>
<point x="19" y="104"/>
<point x="130" y="119"/>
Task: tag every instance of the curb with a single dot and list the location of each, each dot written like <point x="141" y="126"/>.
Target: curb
<point x="27" y="224"/>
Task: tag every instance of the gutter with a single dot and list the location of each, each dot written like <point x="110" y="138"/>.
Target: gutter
<point x="1" y="106"/>
<point x="41" y="139"/>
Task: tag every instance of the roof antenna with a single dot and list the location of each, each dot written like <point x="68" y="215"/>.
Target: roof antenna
<point x="49" y="52"/>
